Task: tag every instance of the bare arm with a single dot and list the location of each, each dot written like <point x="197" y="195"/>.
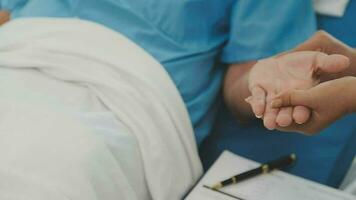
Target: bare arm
<point x="236" y="89"/>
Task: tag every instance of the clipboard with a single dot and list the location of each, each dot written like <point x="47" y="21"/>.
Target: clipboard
<point x="276" y="185"/>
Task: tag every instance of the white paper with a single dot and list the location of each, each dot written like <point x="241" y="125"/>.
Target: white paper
<point x="276" y="185"/>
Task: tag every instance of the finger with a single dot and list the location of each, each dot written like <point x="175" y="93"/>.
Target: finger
<point x="258" y="101"/>
<point x="269" y="117"/>
<point x="331" y="63"/>
<point x="290" y="98"/>
<point x="311" y="127"/>
<point x="301" y="114"/>
<point x="294" y="127"/>
<point x="309" y="45"/>
<point x="248" y="99"/>
<point x="315" y="43"/>
<point x="284" y="117"/>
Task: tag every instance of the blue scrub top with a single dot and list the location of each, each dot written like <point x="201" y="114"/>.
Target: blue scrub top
<point x="191" y="37"/>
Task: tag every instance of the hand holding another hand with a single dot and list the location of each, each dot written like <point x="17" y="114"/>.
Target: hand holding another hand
<point x="328" y="101"/>
<point x="295" y="70"/>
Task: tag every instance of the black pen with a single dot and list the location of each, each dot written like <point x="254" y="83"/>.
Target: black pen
<point x="280" y="163"/>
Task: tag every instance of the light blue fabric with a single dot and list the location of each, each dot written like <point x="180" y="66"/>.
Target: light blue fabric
<point x="190" y="37"/>
<point x="324" y="158"/>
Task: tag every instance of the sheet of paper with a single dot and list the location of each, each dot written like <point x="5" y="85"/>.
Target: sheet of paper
<point x="276" y="185"/>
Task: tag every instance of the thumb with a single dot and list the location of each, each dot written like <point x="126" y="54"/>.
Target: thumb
<point x="318" y="42"/>
<point x="309" y="45"/>
<point x="331" y="63"/>
<point x="291" y="98"/>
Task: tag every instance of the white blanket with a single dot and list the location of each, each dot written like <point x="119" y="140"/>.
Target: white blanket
<point x="87" y="114"/>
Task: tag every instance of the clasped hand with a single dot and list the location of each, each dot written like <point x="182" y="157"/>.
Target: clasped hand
<point x="296" y="70"/>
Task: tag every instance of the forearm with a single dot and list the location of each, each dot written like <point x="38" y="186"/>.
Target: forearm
<point x="236" y="89"/>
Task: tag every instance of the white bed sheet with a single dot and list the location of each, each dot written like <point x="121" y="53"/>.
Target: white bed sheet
<point x="87" y="114"/>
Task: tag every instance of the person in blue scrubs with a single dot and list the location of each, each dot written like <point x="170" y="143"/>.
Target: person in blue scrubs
<point x="195" y="40"/>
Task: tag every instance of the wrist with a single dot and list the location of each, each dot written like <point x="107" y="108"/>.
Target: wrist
<point x="350" y="94"/>
<point x="236" y="90"/>
<point x="353" y="58"/>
